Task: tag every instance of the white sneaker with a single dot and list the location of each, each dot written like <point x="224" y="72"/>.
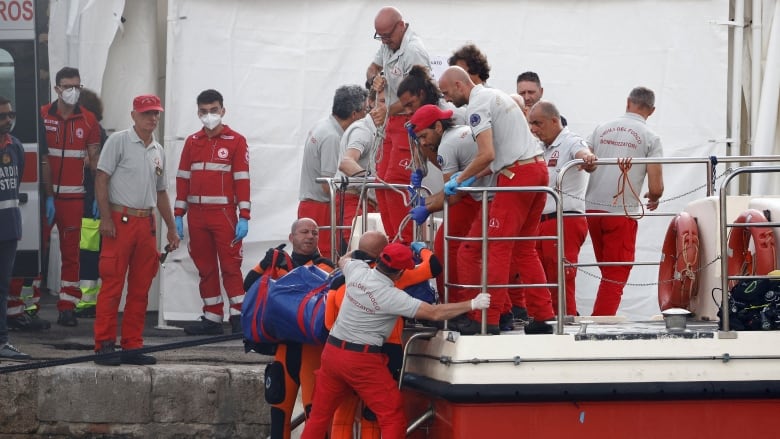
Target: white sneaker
<point x="10" y="352"/>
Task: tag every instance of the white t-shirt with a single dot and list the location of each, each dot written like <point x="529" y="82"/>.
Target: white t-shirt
<point x="361" y="136"/>
<point x="137" y="171"/>
<point x="456" y="150"/>
<point x="626" y="136"/>
<point x="371" y="306"/>
<point x="512" y="139"/>
<point x="396" y="65"/>
<point x="562" y="150"/>
<point x="320" y="158"/>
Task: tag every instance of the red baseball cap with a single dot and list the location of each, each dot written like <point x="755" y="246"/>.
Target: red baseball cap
<point x="147" y="103"/>
<point x="427" y="115"/>
<point x="397" y="256"/>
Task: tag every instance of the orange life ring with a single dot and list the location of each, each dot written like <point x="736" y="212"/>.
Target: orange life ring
<point x="677" y="281"/>
<point x="744" y="262"/>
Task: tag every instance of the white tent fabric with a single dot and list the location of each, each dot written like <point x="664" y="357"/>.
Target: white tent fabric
<point x="278" y="63"/>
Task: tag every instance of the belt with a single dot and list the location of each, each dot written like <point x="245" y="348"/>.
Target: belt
<point x="510" y="175"/>
<point x="549" y="216"/>
<point x="366" y="348"/>
<point x="141" y="213"/>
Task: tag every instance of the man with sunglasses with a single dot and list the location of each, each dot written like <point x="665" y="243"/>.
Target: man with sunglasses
<point x="70" y="136"/>
<point x="11" y="168"/>
<point x="401" y="49"/>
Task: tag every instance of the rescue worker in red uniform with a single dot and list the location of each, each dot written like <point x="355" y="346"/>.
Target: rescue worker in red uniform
<point x="298" y="361"/>
<point x="401" y="49"/>
<point x="352" y="359"/>
<point x="213" y="180"/>
<point x="72" y="136"/>
<point x="369" y="248"/>
<point x="130" y="182"/>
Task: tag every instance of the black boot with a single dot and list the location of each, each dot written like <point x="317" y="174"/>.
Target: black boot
<point x="235" y="324"/>
<point x="205" y="327"/>
<point x="67" y="318"/>
<point x="107" y="348"/>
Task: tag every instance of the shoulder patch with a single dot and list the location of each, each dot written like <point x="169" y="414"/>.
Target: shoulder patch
<point x="474" y="119"/>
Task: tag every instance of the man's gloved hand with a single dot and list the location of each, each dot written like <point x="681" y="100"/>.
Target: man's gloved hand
<point x="95" y="210"/>
<point x="417" y="178"/>
<point x="269" y="257"/>
<point x="179" y="226"/>
<point x="242" y="228"/>
<point x="482" y="301"/>
<point x="450" y="187"/>
<point x="416" y="247"/>
<point x="419" y="214"/>
<point x="50" y="210"/>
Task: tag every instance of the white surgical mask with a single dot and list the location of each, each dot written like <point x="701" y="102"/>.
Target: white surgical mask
<point x="71" y="95"/>
<point x="211" y="120"/>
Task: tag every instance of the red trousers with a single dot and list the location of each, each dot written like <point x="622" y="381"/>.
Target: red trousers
<point x="575" y="230"/>
<point x="342" y="372"/>
<point x="460" y="217"/>
<point x="614" y="240"/>
<point x="132" y="254"/>
<point x="67" y="217"/>
<point x="512" y="214"/>
<point x="320" y="213"/>
<point x="211" y="246"/>
<point x="397" y="155"/>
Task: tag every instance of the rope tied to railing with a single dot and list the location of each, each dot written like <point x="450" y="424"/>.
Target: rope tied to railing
<point x="624" y="164"/>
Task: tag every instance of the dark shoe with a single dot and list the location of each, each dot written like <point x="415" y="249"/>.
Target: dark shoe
<point x="10" y="352"/>
<point x="506" y="322"/>
<point x="473" y="327"/>
<point x="107" y="348"/>
<point x="538" y="327"/>
<point x="205" y="327"/>
<point x="67" y="318"/>
<point x="87" y="312"/>
<point x="235" y="325"/>
<point x="27" y="322"/>
<point x="137" y="359"/>
<point x="520" y="314"/>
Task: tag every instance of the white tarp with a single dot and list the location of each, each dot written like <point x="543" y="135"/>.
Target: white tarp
<point x="278" y="63"/>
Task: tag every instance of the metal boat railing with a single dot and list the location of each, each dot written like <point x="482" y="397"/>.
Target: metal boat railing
<point x="709" y="163"/>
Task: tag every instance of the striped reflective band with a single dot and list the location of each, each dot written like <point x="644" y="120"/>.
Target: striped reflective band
<point x="8" y="204"/>
<point x="179" y="204"/>
<point x="237" y="300"/>
<point x="241" y="175"/>
<point x="68" y="153"/>
<point x="69" y="189"/>
<point x="212" y="300"/>
<point x="183" y="174"/>
<point x="200" y="166"/>
<point x="194" y="199"/>
<point x="245" y="205"/>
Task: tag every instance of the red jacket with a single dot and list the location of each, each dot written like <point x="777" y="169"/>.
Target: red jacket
<point x="66" y="145"/>
<point x="214" y="172"/>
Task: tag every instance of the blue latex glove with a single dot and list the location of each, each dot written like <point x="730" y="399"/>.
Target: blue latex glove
<point x="179" y="226"/>
<point x="419" y="214"/>
<point x="95" y="210"/>
<point x="242" y="228"/>
<point x="50" y="210"/>
<point x="410" y="131"/>
<point x="416" y="246"/>
<point x="450" y="187"/>
<point x="417" y="178"/>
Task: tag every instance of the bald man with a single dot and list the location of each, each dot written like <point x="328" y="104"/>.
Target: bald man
<point x="294" y="363"/>
<point x="507" y="149"/>
<point x="401" y="49"/>
<point x="560" y="147"/>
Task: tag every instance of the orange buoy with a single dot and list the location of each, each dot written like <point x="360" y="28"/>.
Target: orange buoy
<point x="677" y="282"/>
<point x="744" y="262"/>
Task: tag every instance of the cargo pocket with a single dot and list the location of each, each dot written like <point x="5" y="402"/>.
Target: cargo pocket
<point x="108" y="263"/>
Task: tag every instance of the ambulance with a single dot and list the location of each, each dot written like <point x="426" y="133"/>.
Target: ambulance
<point x="23" y="26"/>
